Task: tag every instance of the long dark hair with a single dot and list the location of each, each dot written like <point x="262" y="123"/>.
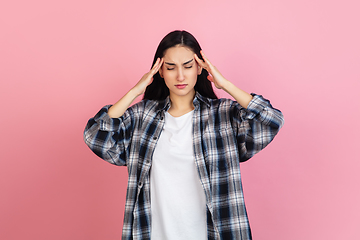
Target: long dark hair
<point x="158" y="90"/>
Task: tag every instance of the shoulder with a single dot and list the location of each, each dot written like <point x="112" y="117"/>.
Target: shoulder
<point x="224" y="105"/>
<point x="221" y="111"/>
<point x="212" y="103"/>
<point x="147" y="106"/>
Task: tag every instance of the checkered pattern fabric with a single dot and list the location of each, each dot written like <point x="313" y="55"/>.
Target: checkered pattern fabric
<point x="224" y="134"/>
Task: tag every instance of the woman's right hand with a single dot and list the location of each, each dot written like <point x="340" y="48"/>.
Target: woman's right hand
<point x="140" y="87"/>
<point x="119" y="108"/>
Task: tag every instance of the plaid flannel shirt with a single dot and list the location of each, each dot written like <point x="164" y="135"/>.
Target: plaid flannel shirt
<point x="224" y="134"/>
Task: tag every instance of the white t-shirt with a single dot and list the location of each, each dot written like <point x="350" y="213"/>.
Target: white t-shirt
<point x="178" y="204"/>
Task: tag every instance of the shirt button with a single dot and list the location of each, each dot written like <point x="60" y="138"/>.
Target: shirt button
<point x="154" y="138"/>
<point x="161" y="118"/>
<point x="140" y="184"/>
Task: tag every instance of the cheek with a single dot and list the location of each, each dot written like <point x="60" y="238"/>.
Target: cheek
<point x="192" y="73"/>
<point x="168" y="77"/>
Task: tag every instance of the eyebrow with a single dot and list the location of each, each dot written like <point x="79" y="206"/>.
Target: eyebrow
<point x="173" y="64"/>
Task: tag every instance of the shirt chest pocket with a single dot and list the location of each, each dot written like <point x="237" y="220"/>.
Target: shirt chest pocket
<point x="221" y="149"/>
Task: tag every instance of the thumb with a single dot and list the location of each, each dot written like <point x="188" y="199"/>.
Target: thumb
<point x="210" y="78"/>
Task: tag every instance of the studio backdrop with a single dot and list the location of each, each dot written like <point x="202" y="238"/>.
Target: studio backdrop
<point x="61" y="61"/>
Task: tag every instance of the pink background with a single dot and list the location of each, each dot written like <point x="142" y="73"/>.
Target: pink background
<point x="61" y="61"/>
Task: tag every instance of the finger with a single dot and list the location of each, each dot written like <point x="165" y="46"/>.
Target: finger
<point x="159" y="65"/>
<point x="200" y="61"/>
<point x="203" y="54"/>
<point x="156" y="66"/>
<point x="205" y="58"/>
<point x="156" y="63"/>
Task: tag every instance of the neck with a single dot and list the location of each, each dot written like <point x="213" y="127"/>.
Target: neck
<point x="181" y="105"/>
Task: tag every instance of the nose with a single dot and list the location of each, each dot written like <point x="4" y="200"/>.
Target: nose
<point x="180" y="75"/>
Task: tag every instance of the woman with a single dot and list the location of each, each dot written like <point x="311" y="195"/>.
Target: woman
<point x="182" y="146"/>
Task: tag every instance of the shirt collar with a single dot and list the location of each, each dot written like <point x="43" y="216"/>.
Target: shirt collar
<point x="199" y="98"/>
<point x="163" y="104"/>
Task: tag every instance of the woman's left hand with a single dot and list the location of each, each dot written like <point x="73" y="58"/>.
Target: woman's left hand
<point x="215" y="76"/>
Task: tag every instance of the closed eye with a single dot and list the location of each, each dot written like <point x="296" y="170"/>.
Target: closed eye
<point x="170" y="64"/>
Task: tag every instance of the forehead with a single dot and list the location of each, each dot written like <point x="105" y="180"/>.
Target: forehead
<point x="178" y="54"/>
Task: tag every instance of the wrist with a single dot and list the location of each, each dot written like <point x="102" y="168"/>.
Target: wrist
<point x="227" y="85"/>
<point x="134" y="92"/>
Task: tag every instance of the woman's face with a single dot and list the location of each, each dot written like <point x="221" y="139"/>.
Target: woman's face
<point x="180" y="71"/>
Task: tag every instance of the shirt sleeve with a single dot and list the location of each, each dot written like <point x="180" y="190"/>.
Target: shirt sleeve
<point x="256" y="126"/>
<point x="109" y="138"/>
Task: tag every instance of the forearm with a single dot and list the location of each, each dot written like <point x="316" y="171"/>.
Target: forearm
<point x="119" y="108"/>
<point x="242" y="97"/>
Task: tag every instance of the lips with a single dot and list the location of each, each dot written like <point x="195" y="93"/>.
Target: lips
<point x="181" y="86"/>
